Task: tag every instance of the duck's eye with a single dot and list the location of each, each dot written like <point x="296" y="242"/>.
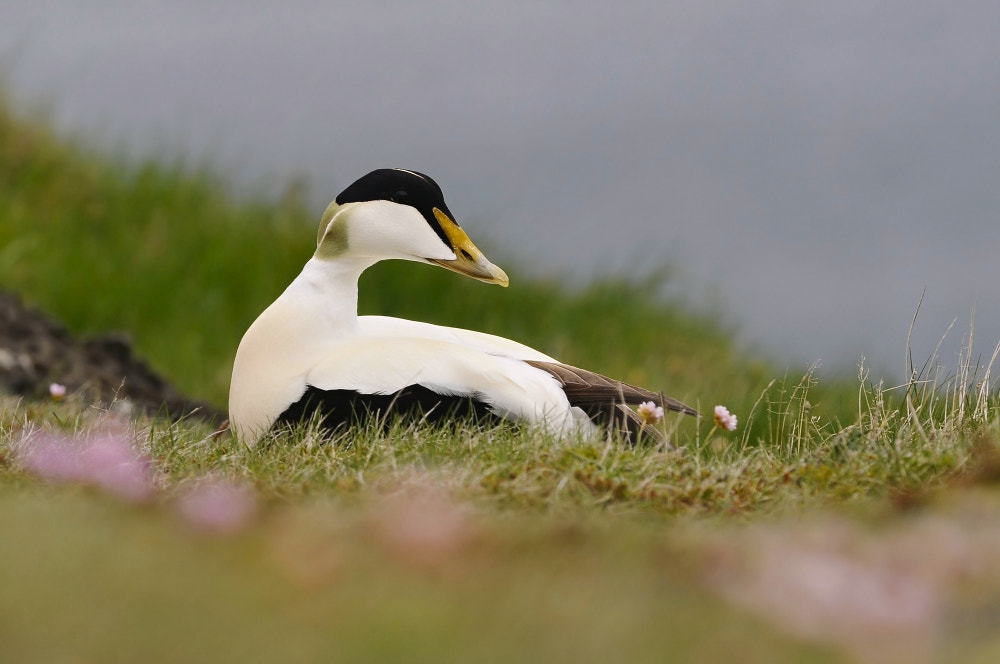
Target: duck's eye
<point x="400" y="197"/>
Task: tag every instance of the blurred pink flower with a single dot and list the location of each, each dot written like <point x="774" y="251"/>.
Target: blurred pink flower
<point x="830" y="590"/>
<point x="725" y="419"/>
<point x="105" y="460"/>
<point x="218" y="506"/>
<point x="57" y="391"/>
<point x="424" y="526"/>
<point x="650" y="412"/>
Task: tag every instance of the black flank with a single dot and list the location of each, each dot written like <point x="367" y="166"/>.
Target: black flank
<point x="340" y="408"/>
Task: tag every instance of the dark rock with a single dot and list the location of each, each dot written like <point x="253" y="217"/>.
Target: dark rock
<point x="36" y="351"/>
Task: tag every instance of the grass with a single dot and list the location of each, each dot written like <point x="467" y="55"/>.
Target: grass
<point x="840" y="521"/>
<point x="523" y="547"/>
<point x="170" y="257"/>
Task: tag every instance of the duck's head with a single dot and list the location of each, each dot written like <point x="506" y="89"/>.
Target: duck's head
<point x="396" y="213"/>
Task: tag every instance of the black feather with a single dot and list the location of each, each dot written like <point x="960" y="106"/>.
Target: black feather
<point x="340" y="408"/>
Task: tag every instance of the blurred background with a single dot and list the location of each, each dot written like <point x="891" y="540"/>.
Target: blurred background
<point x="808" y="169"/>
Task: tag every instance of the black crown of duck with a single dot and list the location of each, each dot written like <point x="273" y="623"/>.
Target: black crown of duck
<point x="401" y="186"/>
<point x="309" y="354"/>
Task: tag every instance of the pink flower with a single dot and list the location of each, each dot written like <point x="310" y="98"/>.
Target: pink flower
<point x="57" y="391"/>
<point x="424" y="526"/>
<point x="725" y="419"/>
<point x="218" y="506"/>
<point x="650" y="412"/>
<point x="107" y="461"/>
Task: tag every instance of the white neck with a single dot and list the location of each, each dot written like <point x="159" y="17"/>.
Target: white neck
<point x="323" y="300"/>
<point x="318" y="309"/>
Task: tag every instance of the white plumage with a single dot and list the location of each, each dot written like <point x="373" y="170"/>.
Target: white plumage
<point x="310" y="350"/>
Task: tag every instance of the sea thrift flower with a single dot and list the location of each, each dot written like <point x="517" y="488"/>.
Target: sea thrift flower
<point x="650" y="412"/>
<point x="725" y="419"/>
<point x="107" y="461"/>
<point x="423" y="526"/>
<point x="57" y="391"/>
<point x="218" y="506"/>
<point x="53" y="459"/>
<point x="881" y="597"/>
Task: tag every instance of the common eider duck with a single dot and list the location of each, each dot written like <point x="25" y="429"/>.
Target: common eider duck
<point x="310" y="351"/>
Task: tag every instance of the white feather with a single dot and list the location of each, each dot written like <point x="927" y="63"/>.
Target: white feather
<point x="312" y="336"/>
<point x="383" y="326"/>
<point x="383" y="364"/>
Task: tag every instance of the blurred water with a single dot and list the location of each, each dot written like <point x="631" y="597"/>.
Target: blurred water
<point x="812" y="167"/>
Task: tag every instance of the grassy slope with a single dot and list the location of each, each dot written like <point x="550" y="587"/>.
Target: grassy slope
<point x="585" y="552"/>
<point x="173" y="260"/>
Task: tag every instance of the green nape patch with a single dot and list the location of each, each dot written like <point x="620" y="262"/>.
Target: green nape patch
<point x="169" y="256"/>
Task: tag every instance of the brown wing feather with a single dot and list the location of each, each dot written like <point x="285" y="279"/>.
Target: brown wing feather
<point x="605" y="399"/>
<point x="586" y="388"/>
